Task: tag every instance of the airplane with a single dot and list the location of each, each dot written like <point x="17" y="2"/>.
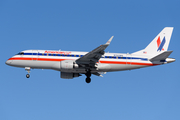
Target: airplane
<point x="73" y="64"/>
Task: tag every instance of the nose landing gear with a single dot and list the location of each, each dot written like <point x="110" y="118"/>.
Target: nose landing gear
<point x="27" y="75"/>
<point x="88" y="75"/>
<point x="28" y="70"/>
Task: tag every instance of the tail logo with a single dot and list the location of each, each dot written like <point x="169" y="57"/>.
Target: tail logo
<point x="160" y="44"/>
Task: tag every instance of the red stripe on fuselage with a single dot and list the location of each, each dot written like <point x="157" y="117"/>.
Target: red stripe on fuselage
<point x="106" y="62"/>
<point x="129" y="63"/>
<point x="39" y="59"/>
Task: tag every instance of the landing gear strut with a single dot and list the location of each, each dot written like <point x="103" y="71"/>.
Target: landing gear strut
<point x="88" y="75"/>
<point x="28" y="70"/>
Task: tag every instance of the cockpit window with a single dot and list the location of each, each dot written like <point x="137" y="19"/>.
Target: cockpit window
<point x="20" y="53"/>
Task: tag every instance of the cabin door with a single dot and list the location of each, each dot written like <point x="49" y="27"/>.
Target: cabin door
<point x="128" y="59"/>
<point x="35" y="55"/>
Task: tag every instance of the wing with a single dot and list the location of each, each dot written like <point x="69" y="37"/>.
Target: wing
<point x="99" y="73"/>
<point x="91" y="58"/>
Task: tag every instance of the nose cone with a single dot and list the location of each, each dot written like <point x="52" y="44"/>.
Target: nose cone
<point x="8" y="62"/>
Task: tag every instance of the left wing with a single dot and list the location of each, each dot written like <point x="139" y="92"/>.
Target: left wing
<point x="91" y="58"/>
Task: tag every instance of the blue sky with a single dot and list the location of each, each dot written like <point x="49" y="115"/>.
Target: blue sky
<point x="144" y="94"/>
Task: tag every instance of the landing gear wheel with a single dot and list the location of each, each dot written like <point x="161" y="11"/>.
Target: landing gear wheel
<point x="27" y="76"/>
<point x="88" y="80"/>
<point x="88" y="75"/>
<point x="28" y="70"/>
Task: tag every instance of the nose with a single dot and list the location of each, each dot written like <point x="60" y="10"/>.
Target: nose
<point x="8" y="62"/>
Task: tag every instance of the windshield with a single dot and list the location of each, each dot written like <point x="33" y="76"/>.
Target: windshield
<point x="20" y="53"/>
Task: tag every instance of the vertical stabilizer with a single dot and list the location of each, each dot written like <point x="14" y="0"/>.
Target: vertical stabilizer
<point x="159" y="44"/>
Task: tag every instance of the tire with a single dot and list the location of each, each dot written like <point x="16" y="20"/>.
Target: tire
<point x="88" y="80"/>
<point x="27" y="76"/>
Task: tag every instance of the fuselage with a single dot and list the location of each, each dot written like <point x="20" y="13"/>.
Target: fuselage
<point x="72" y="64"/>
<point x="49" y="59"/>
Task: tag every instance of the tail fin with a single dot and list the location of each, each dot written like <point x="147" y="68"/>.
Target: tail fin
<point x="159" y="44"/>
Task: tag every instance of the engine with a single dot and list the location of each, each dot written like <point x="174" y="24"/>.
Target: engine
<point x="66" y="75"/>
<point x="65" y="65"/>
<point x="68" y="65"/>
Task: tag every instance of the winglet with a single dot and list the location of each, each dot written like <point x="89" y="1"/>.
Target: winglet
<point x="109" y="41"/>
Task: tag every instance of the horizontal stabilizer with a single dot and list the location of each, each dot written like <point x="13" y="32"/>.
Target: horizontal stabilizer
<point x="161" y="56"/>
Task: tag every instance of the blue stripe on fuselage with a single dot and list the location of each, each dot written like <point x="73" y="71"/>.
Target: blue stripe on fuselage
<point x="70" y="55"/>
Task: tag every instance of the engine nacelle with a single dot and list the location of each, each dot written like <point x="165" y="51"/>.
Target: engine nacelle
<point x="66" y="75"/>
<point x="68" y="65"/>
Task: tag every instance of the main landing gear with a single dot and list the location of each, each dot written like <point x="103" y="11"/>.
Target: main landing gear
<point x="88" y="75"/>
<point x="28" y="70"/>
